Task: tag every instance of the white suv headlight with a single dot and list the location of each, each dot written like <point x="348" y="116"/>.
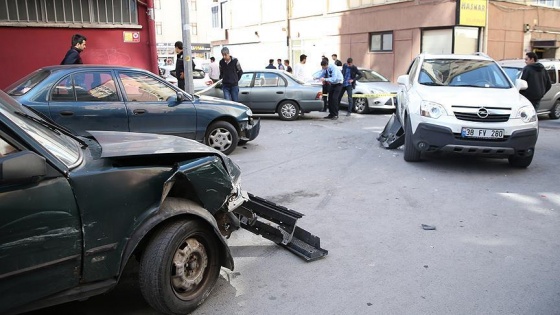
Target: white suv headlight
<point x="527" y="114"/>
<point x="249" y="112"/>
<point x="431" y="109"/>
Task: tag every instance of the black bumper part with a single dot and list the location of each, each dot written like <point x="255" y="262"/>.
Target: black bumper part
<point x="282" y="228"/>
<point x="253" y="132"/>
<point x="429" y="137"/>
<point x="392" y="135"/>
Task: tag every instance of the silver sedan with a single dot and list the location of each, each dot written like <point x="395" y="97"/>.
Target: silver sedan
<point x="273" y="91"/>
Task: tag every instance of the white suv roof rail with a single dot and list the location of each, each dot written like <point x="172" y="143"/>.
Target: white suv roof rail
<point x="480" y="53"/>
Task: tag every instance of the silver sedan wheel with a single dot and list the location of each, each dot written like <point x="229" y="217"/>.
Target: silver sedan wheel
<point x="288" y="111"/>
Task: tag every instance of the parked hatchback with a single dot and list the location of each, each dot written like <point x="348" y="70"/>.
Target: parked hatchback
<point x="274" y="91"/>
<point x="550" y="103"/>
<point x="90" y="97"/>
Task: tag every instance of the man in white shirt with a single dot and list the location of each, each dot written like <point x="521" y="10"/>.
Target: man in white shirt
<point x="214" y="71"/>
<point x="299" y="68"/>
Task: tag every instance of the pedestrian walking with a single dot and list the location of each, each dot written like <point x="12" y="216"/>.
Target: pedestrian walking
<point x="230" y="73"/>
<point x="180" y="65"/>
<point x="335" y="81"/>
<point x="72" y="56"/>
<point x="280" y="65"/>
<point x="214" y="70"/>
<point x="351" y="75"/>
<point x="270" y="64"/>
<point x="537" y="78"/>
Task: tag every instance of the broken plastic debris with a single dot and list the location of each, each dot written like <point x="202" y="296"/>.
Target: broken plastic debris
<point x="428" y="227"/>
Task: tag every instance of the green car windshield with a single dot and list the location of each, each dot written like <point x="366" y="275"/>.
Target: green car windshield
<point x="63" y="147"/>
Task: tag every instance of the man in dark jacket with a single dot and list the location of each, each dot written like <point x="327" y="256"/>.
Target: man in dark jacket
<point x="270" y="64"/>
<point x="230" y="73"/>
<point x="351" y="75"/>
<point x="72" y="57"/>
<point x="537" y="78"/>
<point x="180" y="65"/>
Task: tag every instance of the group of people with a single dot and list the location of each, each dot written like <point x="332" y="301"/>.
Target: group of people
<point x="335" y="81"/>
<point x="279" y="66"/>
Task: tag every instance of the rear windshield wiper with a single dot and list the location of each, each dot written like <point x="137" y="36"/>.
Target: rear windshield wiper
<point x="51" y="126"/>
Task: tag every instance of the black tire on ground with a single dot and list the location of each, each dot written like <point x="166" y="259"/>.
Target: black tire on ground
<point x="222" y="136"/>
<point x="179" y="267"/>
<point x="288" y="110"/>
<point x="361" y="105"/>
<point x="411" y="154"/>
<point x="520" y="161"/>
<point x="555" y="110"/>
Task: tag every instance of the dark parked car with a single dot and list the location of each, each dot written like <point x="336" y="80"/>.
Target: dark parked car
<point x="273" y="91"/>
<point x="74" y="211"/>
<point x="90" y="97"/>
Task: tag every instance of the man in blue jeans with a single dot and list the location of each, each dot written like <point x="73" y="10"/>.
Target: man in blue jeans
<point x="351" y="75"/>
<point x="230" y="73"/>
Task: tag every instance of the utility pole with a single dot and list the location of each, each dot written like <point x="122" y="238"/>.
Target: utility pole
<point x="187" y="49"/>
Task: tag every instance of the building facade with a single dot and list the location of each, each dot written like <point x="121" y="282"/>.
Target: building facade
<point x="37" y="33"/>
<point x="384" y="35"/>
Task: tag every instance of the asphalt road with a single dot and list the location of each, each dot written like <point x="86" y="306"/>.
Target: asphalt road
<point x="495" y="249"/>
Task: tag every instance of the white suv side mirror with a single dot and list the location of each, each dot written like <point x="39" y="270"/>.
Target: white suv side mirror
<point x="403" y="80"/>
<point x="521" y="84"/>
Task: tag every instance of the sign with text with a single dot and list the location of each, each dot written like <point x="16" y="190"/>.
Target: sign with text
<point x="131" y="37"/>
<point x="472" y="12"/>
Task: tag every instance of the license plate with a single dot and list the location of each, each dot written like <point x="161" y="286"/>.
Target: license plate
<point x="482" y="133"/>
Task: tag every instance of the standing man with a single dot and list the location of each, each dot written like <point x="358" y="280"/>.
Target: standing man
<point x="214" y="70"/>
<point x="270" y="64"/>
<point x="537" y="78"/>
<point x="230" y="73"/>
<point x="351" y="75"/>
<point x="280" y="65"/>
<point x="72" y="56"/>
<point x="179" y="65"/>
<point x="299" y="68"/>
<point x="336" y="86"/>
<point x="326" y="86"/>
<point x="337" y="62"/>
<point x="287" y="65"/>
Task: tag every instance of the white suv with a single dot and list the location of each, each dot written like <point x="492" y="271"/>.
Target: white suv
<point x="464" y="104"/>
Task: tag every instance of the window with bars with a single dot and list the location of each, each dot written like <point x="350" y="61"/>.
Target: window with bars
<point x="109" y="12"/>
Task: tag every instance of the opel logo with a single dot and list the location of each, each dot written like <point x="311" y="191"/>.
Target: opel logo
<point x="482" y="112"/>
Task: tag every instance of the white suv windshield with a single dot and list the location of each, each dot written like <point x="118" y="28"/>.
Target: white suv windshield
<point x="66" y="149"/>
<point x="462" y="72"/>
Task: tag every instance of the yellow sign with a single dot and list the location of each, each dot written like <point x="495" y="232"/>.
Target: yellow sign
<point x="472" y="12"/>
<point x="131" y="37"/>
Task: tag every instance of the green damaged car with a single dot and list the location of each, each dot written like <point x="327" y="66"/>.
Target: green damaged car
<point x="75" y="210"/>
